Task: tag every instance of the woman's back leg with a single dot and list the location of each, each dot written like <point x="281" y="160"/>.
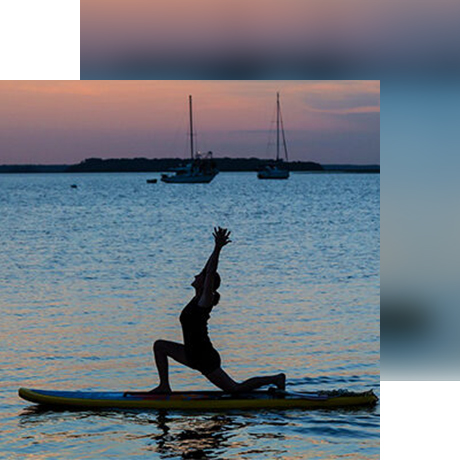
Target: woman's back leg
<point x="223" y="381"/>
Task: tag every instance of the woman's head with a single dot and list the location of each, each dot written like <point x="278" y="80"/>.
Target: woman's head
<point x="198" y="284"/>
<point x="216" y="298"/>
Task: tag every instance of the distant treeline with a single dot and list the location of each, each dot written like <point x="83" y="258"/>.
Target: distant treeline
<point x="164" y="164"/>
<point x="352" y="168"/>
<point x="33" y="168"/>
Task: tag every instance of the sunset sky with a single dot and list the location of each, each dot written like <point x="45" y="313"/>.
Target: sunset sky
<point x="65" y="122"/>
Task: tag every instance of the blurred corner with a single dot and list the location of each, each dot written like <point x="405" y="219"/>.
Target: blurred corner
<point x="420" y="253"/>
<point x="294" y="39"/>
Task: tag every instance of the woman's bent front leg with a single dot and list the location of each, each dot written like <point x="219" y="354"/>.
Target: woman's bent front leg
<point x="161" y="350"/>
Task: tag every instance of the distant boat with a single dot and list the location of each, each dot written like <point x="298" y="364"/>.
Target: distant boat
<point x="151" y="181"/>
<point x="277" y="169"/>
<point x="200" y="169"/>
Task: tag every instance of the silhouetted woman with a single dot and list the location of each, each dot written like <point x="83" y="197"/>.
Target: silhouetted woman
<point x="197" y="351"/>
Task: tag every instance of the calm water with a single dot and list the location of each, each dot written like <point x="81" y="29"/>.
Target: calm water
<point x="90" y="277"/>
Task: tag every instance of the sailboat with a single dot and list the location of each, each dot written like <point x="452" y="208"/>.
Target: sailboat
<point x="277" y="169"/>
<point x="200" y="169"/>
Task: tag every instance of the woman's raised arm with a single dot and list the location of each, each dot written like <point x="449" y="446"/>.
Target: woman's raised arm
<point x="221" y="238"/>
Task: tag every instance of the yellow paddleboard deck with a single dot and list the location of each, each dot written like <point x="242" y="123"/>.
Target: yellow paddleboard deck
<point x="198" y="400"/>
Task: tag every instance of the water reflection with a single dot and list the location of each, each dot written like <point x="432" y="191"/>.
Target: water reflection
<point x="188" y="435"/>
<point x="201" y="437"/>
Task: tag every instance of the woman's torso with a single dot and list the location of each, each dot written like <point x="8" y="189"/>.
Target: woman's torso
<point x="194" y="321"/>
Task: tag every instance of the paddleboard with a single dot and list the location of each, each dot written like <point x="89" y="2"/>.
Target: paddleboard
<point x="201" y="400"/>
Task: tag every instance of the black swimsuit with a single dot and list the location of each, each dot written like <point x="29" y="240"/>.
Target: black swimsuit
<point x="200" y="353"/>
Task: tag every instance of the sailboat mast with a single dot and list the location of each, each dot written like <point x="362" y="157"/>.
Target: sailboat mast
<point x="277" y="126"/>
<point x="284" y="136"/>
<point x="191" y="127"/>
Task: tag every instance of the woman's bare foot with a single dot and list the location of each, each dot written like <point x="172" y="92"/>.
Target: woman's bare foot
<point x="280" y="381"/>
<point x="161" y="389"/>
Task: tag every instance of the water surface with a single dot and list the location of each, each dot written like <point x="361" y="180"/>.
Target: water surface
<point x="92" y="276"/>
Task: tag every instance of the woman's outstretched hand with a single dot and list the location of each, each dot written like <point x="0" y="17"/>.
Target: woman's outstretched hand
<point x="221" y="236"/>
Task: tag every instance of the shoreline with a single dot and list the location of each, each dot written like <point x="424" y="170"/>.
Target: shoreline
<point x="162" y="165"/>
